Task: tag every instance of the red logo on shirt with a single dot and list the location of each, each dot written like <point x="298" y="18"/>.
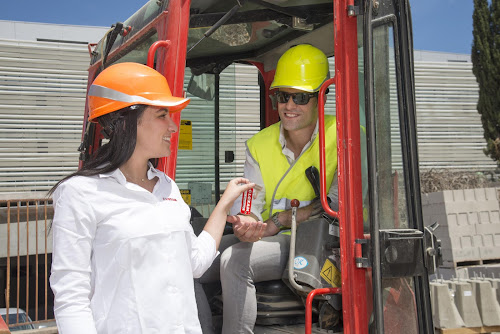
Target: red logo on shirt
<point x="169" y="199"/>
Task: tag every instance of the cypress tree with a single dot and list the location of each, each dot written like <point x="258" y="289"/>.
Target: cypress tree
<point x="486" y="67"/>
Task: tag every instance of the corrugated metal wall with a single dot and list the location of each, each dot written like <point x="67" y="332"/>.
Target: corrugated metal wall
<point x="450" y="134"/>
<point x="42" y="97"/>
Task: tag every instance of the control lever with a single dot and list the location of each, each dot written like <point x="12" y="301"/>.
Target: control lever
<point x="312" y="175"/>
<point x="291" y="257"/>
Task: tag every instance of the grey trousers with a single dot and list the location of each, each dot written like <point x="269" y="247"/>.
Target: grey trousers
<point x="242" y="264"/>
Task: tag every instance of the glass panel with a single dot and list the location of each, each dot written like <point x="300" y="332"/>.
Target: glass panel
<point x="400" y="310"/>
<point x="393" y="211"/>
<point x="230" y="109"/>
<point x="139" y="54"/>
<point x="195" y="167"/>
<point x="362" y="130"/>
<point x="239" y="119"/>
<point x="234" y="38"/>
<point x="137" y="21"/>
<point x="400" y="313"/>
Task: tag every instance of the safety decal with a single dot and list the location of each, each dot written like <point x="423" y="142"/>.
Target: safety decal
<point x="331" y="274"/>
<point x="186" y="135"/>
<point x="300" y="262"/>
<point x="186" y="195"/>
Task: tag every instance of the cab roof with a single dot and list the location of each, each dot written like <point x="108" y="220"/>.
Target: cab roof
<point x="259" y="30"/>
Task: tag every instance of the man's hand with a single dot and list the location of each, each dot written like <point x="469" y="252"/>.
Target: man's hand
<point x="246" y="228"/>
<point x="316" y="209"/>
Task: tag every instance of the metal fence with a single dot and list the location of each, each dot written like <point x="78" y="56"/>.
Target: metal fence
<point x="25" y="258"/>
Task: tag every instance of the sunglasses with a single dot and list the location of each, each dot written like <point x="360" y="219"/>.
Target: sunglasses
<point x="298" y="98"/>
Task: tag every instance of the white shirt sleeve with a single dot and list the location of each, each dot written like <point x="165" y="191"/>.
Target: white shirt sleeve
<point x="251" y="171"/>
<point x="203" y="253"/>
<point x="73" y="229"/>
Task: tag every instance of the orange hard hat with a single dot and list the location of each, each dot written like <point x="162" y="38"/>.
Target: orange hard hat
<point x="125" y="84"/>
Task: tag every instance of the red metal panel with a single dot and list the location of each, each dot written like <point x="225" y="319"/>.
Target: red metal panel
<point x="349" y="168"/>
<point x="172" y="63"/>
<point x="271" y="115"/>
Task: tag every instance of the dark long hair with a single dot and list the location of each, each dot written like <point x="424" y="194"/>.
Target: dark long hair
<point x="120" y="127"/>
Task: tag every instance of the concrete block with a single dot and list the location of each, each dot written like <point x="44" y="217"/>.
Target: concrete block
<point x="473" y="218"/>
<point x="480" y="194"/>
<point x="488" y="216"/>
<point x="469" y="195"/>
<point x="424" y="199"/>
<point x="488" y="240"/>
<point x="451" y="243"/>
<point x="462" y="230"/>
<point x="458" y="207"/>
<point x="444" y="311"/>
<point x="489" y="253"/>
<point x="458" y="195"/>
<point x="491" y="228"/>
<point x="471" y="206"/>
<point x="436" y="197"/>
<point x="466" y="241"/>
<point x="433" y="213"/>
<point x="452" y="220"/>
<point x="462" y="218"/>
<point x="477" y="241"/>
<point x="466" y="304"/>
<point x="495" y="216"/>
<point x="488" y="306"/>
<point x="485" y="270"/>
<point x="491" y="194"/>
<point x="461" y="255"/>
<point x="440" y="218"/>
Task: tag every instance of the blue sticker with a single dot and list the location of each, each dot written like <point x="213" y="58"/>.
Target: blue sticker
<point x="300" y="262"/>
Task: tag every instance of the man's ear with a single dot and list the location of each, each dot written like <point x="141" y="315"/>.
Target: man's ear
<point x="326" y="94"/>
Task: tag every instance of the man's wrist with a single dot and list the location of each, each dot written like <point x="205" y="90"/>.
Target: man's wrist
<point x="275" y="220"/>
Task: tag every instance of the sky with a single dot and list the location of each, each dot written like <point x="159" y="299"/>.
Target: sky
<point x="438" y="25"/>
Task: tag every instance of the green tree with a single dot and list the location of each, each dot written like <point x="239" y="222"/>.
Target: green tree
<point x="486" y="67"/>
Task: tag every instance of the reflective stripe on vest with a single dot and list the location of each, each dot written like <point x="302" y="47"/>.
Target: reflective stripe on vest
<point x="283" y="181"/>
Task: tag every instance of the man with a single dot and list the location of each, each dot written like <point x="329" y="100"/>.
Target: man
<point x="276" y="160"/>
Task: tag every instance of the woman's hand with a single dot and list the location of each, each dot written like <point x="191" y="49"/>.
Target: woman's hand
<point x="234" y="189"/>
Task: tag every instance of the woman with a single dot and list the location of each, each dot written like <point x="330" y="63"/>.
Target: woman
<point x="124" y="253"/>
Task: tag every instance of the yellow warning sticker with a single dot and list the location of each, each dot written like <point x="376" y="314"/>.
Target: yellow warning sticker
<point x="186" y="195"/>
<point x="331" y="274"/>
<point x="186" y="135"/>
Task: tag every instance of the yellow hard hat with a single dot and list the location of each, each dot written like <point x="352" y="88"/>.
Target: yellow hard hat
<point x="125" y="84"/>
<point x="301" y="67"/>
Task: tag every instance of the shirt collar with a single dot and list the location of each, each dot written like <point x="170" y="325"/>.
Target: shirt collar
<point x="283" y="140"/>
<point x="118" y="175"/>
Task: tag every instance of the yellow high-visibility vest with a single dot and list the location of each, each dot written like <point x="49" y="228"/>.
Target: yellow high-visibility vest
<point x="284" y="182"/>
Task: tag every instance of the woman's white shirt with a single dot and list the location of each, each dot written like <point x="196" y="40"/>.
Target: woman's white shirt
<point x="124" y="258"/>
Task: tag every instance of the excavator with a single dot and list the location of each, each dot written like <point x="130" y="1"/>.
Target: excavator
<point x="368" y="261"/>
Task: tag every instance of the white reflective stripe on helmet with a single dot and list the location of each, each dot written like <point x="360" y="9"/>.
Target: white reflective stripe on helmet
<point x="285" y="204"/>
<point x="111" y="94"/>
